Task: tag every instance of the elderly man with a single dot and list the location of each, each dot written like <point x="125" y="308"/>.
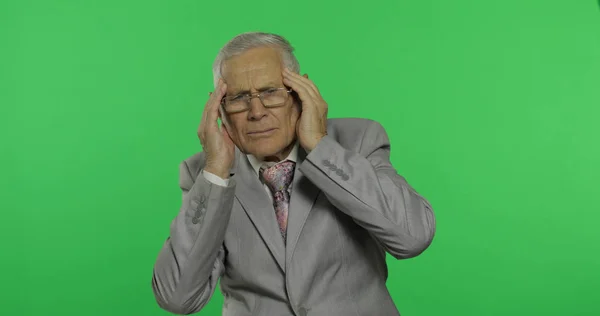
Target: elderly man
<point x="294" y="213"/>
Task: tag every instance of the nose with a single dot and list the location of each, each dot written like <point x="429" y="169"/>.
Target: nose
<point x="256" y="109"/>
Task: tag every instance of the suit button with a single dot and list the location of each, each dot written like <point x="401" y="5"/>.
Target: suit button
<point x="195" y="220"/>
<point x="339" y="172"/>
<point x="326" y="163"/>
<point x="198" y="213"/>
<point x="345" y="177"/>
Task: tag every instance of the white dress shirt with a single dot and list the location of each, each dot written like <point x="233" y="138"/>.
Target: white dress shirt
<point x="256" y="164"/>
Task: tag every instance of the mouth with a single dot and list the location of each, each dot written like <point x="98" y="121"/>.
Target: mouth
<point x="262" y="132"/>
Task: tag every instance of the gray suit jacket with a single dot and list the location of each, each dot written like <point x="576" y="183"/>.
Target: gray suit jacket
<point x="348" y="208"/>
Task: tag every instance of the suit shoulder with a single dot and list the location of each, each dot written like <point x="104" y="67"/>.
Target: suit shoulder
<point x="354" y="126"/>
<point x="349" y="124"/>
<point x="349" y="132"/>
<point x="195" y="162"/>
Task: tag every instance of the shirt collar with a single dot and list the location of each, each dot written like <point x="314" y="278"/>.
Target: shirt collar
<point x="256" y="164"/>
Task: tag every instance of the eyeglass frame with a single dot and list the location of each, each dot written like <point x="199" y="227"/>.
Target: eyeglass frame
<point x="250" y="96"/>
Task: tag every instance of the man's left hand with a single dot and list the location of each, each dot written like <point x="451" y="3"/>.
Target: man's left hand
<point x="312" y="124"/>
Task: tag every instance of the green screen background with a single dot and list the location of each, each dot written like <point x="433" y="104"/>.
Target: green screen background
<point x="492" y="108"/>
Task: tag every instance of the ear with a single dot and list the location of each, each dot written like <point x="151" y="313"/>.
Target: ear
<point x="223" y="117"/>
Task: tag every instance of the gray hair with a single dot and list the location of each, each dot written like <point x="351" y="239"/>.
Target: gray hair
<point x="246" y="41"/>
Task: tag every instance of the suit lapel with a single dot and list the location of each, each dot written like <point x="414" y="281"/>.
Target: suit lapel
<point x="303" y="196"/>
<point x="255" y="202"/>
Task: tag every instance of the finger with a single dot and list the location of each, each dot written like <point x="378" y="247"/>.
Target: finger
<point x="206" y="106"/>
<point x="304" y="91"/>
<point x="304" y="78"/>
<point x="208" y="114"/>
<point x="203" y="116"/>
<point x="311" y="83"/>
<point x="219" y="92"/>
<point x="211" y="98"/>
<point x="301" y="87"/>
<point x="307" y="82"/>
<point x="212" y="108"/>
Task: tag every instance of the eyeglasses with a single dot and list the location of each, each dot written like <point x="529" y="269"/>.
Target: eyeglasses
<point x="270" y="98"/>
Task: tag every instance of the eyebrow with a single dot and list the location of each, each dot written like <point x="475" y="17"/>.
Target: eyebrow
<point x="261" y="89"/>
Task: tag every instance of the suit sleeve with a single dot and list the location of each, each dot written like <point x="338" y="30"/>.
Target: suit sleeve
<point x="192" y="258"/>
<point x="367" y="187"/>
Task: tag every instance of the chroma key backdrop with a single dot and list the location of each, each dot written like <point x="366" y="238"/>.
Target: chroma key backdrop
<point x="492" y="108"/>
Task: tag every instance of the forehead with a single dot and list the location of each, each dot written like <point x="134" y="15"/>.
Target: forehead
<point x="256" y="66"/>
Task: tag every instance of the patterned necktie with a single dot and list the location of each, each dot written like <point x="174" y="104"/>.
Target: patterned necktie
<point x="278" y="179"/>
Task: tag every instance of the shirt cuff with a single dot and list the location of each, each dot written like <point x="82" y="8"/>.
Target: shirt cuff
<point x="215" y="179"/>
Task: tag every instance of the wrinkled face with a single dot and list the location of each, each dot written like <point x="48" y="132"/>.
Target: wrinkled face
<point x="267" y="133"/>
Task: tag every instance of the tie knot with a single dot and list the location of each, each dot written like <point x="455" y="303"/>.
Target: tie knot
<point x="278" y="177"/>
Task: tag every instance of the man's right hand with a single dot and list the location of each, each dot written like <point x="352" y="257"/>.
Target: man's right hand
<point x="216" y="143"/>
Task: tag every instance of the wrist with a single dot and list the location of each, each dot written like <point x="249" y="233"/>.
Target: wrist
<point x="312" y="145"/>
<point x="220" y="172"/>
